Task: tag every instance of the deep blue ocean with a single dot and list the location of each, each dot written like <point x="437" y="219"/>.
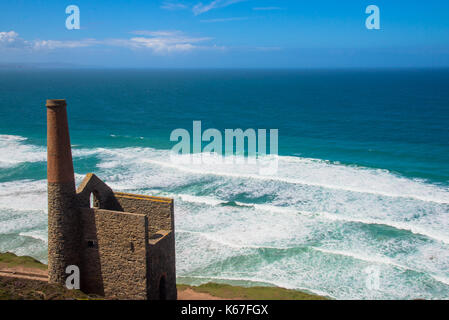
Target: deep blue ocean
<point x="362" y="188"/>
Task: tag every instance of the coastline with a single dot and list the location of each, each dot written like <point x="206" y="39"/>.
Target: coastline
<point x="22" y="277"/>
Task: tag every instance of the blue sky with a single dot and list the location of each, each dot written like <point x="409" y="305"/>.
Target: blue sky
<point x="226" y="33"/>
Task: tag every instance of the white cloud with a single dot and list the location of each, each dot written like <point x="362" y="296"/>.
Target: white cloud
<point x="202" y="8"/>
<point x="167" y="5"/>
<point x="225" y="19"/>
<point x="160" y="45"/>
<point x="11" y="39"/>
<point x="159" y="42"/>
<point x="56" y="44"/>
<point x="267" y="8"/>
<point x="159" y="33"/>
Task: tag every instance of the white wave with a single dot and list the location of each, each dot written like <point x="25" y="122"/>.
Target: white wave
<point x="8" y="137"/>
<point x="14" y="150"/>
<point x="373" y="259"/>
<point x="362" y="257"/>
<point x="320" y="174"/>
<point x="16" y="221"/>
<point x="398" y="225"/>
<point x="305" y="269"/>
<point x="215" y="238"/>
<point x="23" y="205"/>
<point x="38" y="235"/>
<point x="82" y="152"/>
<point x="292" y="170"/>
<point x="380" y="260"/>
<point x="148" y="168"/>
<point x="335" y="217"/>
<point x="29" y="195"/>
<point x="205" y="200"/>
<point x="444" y="280"/>
<point x="309" y="203"/>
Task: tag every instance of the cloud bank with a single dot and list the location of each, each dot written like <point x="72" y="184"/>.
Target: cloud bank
<point x="202" y="8"/>
<point x="159" y="42"/>
<point x="11" y="39"/>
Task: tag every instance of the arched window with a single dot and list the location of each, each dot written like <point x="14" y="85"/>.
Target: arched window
<point x="91" y="200"/>
<point x="94" y="201"/>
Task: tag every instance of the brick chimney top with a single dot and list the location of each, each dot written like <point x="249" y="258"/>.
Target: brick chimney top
<point x="51" y="103"/>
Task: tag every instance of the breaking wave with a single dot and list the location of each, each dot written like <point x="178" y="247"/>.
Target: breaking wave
<point x="315" y="225"/>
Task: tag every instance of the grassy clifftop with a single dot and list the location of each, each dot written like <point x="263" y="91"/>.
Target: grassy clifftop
<point x="29" y="287"/>
<point x="251" y="293"/>
<point x="26" y="289"/>
<point x="18" y="289"/>
<point x="10" y="260"/>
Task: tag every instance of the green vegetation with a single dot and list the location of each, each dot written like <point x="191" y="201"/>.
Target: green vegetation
<point x="18" y="289"/>
<point x="251" y="293"/>
<point x="26" y="289"/>
<point x="11" y="260"/>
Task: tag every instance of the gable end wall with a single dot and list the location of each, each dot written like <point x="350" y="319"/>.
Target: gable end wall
<point x="114" y="253"/>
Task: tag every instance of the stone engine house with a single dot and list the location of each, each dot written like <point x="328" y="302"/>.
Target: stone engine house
<point x="123" y="244"/>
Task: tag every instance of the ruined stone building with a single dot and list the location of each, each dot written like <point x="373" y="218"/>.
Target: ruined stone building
<point x="123" y="243"/>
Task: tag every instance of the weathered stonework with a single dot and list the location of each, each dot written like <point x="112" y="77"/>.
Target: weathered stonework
<point x="124" y="243"/>
<point x="114" y="255"/>
<point x="159" y="210"/>
<point x="63" y="230"/>
<point x="161" y="271"/>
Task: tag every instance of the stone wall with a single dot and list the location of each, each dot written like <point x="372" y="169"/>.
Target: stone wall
<point x="114" y="253"/>
<point x="162" y="266"/>
<point x="117" y="261"/>
<point x="103" y="195"/>
<point x="161" y="250"/>
<point x="63" y="230"/>
<point x="159" y="210"/>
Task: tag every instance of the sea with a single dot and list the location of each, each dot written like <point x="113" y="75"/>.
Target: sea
<point x="358" y="207"/>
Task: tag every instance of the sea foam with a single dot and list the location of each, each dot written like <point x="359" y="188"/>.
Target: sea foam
<point x="315" y="225"/>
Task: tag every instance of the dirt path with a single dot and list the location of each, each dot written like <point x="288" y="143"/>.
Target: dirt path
<point x="41" y="275"/>
<point x="189" y="294"/>
<point x="24" y="273"/>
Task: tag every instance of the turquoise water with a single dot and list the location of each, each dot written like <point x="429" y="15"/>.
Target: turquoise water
<point x="362" y="184"/>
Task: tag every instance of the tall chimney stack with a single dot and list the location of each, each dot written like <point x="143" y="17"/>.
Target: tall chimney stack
<point x="63" y="217"/>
